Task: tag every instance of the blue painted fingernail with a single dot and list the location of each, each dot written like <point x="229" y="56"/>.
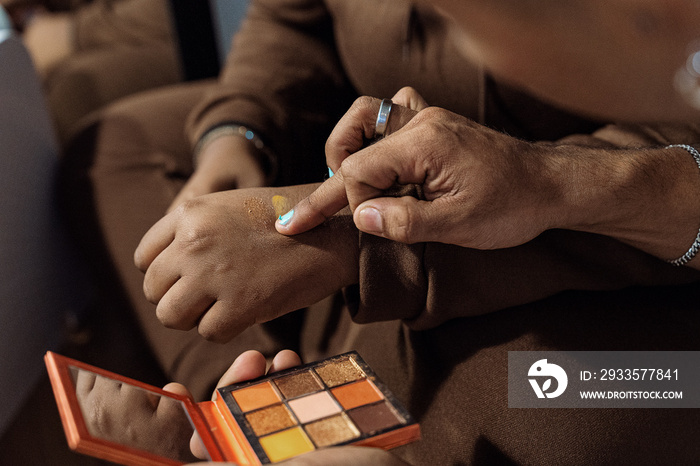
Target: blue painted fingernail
<point x="330" y="172"/>
<point x="285" y="219"/>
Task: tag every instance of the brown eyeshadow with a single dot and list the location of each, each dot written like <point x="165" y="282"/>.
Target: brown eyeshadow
<point x="374" y="418"/>
<point x="260" y="213"/>
<point x="270" y="419"/>
<point x="299" y="384"/>
<point x="331" y="431"/>
<point x="339" y="372"/>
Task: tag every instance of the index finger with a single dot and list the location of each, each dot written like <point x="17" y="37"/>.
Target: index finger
<point x="313" y="210"/>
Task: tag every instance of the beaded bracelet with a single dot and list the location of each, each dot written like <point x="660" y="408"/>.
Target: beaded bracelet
<point x="695" y="247"/>
<point x="234" y="129"/>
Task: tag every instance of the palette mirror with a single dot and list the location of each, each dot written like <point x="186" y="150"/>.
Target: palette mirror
<point x="132" y="416"/>
<point x="123" y="420"/>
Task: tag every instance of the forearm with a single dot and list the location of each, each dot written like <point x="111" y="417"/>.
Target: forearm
<point x="283" y="80"/>
<point x="646" y="197"/>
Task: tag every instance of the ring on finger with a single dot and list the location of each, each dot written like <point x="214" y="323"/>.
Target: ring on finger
<point x="382" y="118"/>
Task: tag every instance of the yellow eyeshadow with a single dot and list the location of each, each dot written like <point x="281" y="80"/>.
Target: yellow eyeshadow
<point x="286" y="444"/>
<point x="281" y="205"/>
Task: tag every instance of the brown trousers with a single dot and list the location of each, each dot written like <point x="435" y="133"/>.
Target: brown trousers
<point x="124" y="169"/>
<point x="121" y="47"/>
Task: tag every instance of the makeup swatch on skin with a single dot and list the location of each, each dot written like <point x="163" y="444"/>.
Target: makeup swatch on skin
<point x="337" y="401"/>
<point x="281" y="204"/>
<point x="259" y="212"/>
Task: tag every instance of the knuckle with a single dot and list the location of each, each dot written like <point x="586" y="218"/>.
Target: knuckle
<point x="148" y="293"/>
<point x="170" y="319"/>
<point x="150" y="288"/>
<point x="365" y="108"/>
<point x="215" y="331"/>
<point x="207" y="332"/>
<point x="364" y="102"/>
<point x="349" y="168"/>
<point x="211" y="334"/>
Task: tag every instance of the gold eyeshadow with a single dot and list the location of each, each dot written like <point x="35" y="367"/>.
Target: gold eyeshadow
<point x="298" y="384"/>
<point x="332" y="431"/>
<point x="337" y="401"/>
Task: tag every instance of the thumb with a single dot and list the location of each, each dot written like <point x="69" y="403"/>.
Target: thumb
<point x="403" y="219"/>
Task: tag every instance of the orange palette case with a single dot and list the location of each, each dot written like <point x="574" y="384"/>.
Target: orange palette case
<point x="336" y="401"/>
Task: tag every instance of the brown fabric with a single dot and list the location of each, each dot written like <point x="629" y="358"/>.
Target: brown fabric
<point x="122" y="23"/>
<point x="122" y="47"/>
<point x="294" y="69"/>
<point x="454" y="379"/>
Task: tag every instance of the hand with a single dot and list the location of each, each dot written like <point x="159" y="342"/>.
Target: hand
<point x="250" y="365"/>
<point x="217" y="263"/>
<point x="247" y="366"/>
<point x="228" y="162"/>
<point x="481" y="189"/>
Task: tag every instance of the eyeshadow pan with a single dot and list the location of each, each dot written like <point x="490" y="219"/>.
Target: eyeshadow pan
<point x="270" y="419"/>
<point x="375" y="417"/>
<point x="285" y="444"/>
<point x="311" y="407"/>
<point x="332" y="431"/>
<point x="357" y="394"/>
<point x="292" y="386"/>
<point x="256" y="396"/>
<point x="339" y="372"/>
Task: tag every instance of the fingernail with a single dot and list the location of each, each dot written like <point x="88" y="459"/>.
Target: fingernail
<point x="286" y="218"/>
<point x="330" y="172"/>
<point x="370" y="220"/>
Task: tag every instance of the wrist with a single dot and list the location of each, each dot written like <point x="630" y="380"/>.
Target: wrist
<point x="585" y="181"/>
<point x="646" y="198"/>
<point x="240" y="139"/>
<point x="229" y="161"/>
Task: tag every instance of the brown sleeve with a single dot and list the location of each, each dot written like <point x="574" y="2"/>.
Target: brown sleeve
<point x="429" y="283"/>
<point x="113" y="23"/>
<point x="283" y="79"/>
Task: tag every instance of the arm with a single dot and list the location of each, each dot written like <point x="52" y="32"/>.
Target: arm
<point x="486" y="190"/>
<point x="284" y="81"/>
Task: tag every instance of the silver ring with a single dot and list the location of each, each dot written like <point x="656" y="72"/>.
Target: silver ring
<point x="382" y="118"/>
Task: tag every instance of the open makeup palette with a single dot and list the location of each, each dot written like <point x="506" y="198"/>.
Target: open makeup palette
<point x="336" y="401"/>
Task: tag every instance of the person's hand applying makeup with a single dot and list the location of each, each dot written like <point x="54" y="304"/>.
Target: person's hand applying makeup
<point x="478" y="188"/>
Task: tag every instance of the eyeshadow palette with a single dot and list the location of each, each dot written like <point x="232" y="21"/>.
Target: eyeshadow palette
<point x="337" y="401"/>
